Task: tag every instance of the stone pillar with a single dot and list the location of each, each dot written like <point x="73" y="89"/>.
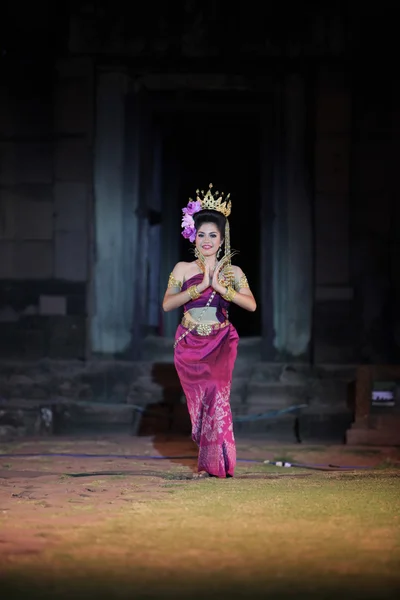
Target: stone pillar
<point x="171" y="231"/>
<point x="334" y="320"/>
<point x="374" y="208"/>
<point x="270" y="168"/>
<point x="115" y="221"/>
<point x="292" y="232"/>
<point x="156" y="205"/>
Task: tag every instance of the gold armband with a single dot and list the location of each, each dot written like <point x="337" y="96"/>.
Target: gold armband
<point x="193" y="292"/>
<point x="230" y="294"/>
<point x="242" y="283"/>
<point x="172" y="282"/>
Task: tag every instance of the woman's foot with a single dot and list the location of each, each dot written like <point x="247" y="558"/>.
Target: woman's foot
<point x="201" y="475"/>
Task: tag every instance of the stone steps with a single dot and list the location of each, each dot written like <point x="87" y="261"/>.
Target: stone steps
<point x="103" y="391"/>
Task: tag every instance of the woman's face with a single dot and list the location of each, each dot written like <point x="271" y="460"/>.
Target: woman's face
<point x="208" y="239"/>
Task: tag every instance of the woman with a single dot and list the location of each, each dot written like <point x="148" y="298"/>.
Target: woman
<point x="206" y="342"/>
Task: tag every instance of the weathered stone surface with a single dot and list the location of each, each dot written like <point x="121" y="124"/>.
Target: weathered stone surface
<point x="290" y="376"/>
<point x="270" y="395"/>
<point x="66" y="336"/>
<point x="52" y="305"/>
<point x="7" y="211"/>
<point x="72" y="161"/>
<point x="34" y="220"/>
<point x="71" y="255"/>
<point x="70" y="206"/>
<point x="73" y="104"/>
<point x="332" y="239"/>
<point x="26" y="260"/>
<point x="33" y="260"/>
<point x="84" y="395"/>
<point x="24" y="162"/>
<point x="8" y="315"/>
<point x="373" y="437"/>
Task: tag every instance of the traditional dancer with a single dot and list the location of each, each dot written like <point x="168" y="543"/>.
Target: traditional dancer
<point x="206" y="342"/>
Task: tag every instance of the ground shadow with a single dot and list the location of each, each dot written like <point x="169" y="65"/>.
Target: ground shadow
<point x="167" y="422"/>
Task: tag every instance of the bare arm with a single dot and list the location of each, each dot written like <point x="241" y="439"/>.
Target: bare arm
<point x="245" y="299"/>
<point x="242" y="295"/>
<point x="173" y="297"/>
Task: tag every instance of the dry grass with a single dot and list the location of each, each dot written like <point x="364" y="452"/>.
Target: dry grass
<point x="130" y="531"/>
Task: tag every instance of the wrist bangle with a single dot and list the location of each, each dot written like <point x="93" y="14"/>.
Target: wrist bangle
<point x="230" y="294"/>
<point x="193" y="292"/>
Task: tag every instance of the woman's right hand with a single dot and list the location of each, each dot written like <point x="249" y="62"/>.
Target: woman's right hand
<point x="201" y="287"/>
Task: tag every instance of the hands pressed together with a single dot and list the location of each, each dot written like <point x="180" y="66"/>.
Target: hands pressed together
<point x="215" y="281"/>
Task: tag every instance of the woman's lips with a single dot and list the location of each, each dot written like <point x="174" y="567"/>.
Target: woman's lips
<point x="206" y="247"/>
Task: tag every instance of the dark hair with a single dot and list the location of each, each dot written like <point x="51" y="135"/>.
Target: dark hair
<point x="210" y="216"/>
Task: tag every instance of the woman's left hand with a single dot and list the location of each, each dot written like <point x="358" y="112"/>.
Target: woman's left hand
<point x="217" y="286"/>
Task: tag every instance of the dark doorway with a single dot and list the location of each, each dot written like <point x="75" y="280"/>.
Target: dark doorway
<point x="217" y="140"/>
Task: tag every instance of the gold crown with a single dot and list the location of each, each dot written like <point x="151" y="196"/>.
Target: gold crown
<point x="214" y="202"/>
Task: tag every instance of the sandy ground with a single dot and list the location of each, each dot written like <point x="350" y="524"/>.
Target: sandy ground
<point x="42" y="480"/>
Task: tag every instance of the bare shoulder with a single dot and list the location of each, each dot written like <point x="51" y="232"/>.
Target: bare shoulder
<point x="184" y="270"/>
<point x="180" y="267"/>
<point x="237" y="271"/>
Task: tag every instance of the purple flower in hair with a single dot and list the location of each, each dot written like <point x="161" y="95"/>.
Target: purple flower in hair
<point x="187" y="221"/>
<point x="192" y="207"/>
<point x="189" y="231"/>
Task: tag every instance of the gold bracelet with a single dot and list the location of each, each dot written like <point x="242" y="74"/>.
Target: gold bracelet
<point x="193" y="292"/>
<point x="230" y="294"/>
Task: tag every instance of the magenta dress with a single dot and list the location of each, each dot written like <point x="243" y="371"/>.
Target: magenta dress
<point x="205" y="364"/>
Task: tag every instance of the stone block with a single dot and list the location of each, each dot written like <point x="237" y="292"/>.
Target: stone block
<point x="33" y="220"/>
<point x="73" y="105"/>
<point x="33" y="260"/>
<point x="31" y="163"/>
<point x="71" y="255"/>
<point x="7" y="215"/>
<point x="18" y="342"/>
<point x="372" y="437"/>
<point x="7" y="254"/>
<point x="26" y="212"/>
<point x="8" y="163"/>
<point x="71" y="206"/>
<point x="52" y="305"/>
<point x="335" y="332"/>
<point x="262" y="397"/>
<point x="332" y="160"/>
<point x="6" y="111"/>
<point x="66" y="337"/>
<point x="72" y="161"/>
<point x="26" y="163"/>
<point x="332" y="230"/>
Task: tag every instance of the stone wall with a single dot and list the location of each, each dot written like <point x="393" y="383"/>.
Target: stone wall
<point x="334" y="330"/>
<point x="47" y="158"/>
<point x="45" y="197"/>
<point x="375" y="215"/>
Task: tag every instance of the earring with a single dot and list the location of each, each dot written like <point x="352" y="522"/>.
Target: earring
<point x="196" y="252"/>
<point x="219" y="252"/>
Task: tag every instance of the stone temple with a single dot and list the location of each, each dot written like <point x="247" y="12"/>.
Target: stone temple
<point x="110" y="118"/>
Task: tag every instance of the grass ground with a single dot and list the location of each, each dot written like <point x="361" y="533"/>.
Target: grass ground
<point x="113" y="527"/>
